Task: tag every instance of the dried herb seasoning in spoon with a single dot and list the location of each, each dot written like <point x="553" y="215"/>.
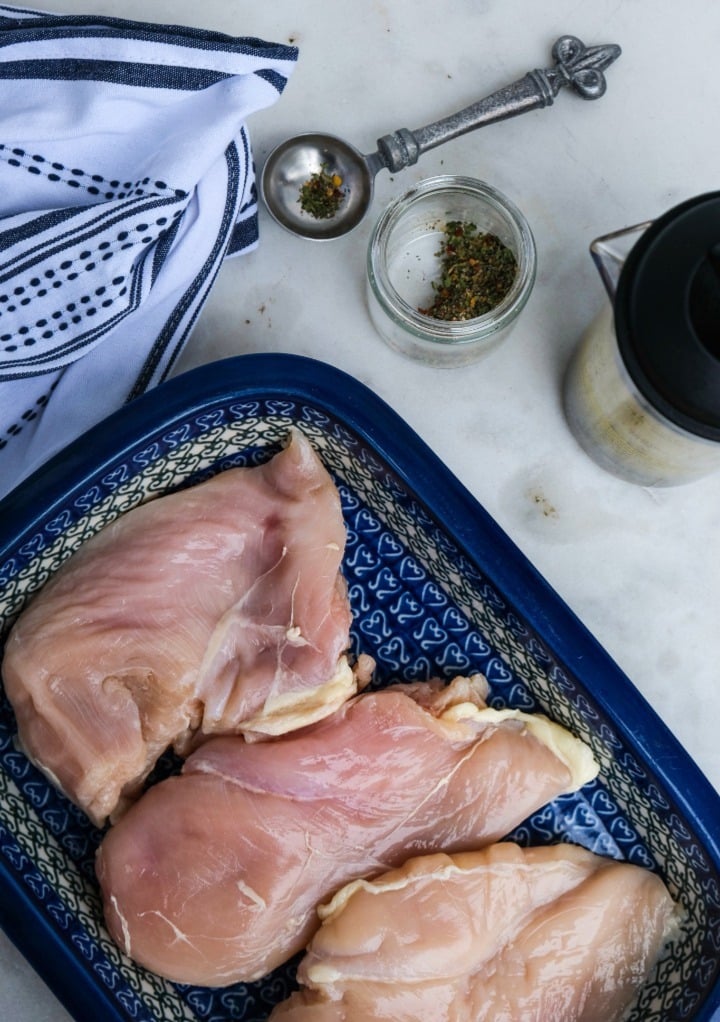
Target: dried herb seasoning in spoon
<point x="321" y="194"/>
<point x="476" y="272"/>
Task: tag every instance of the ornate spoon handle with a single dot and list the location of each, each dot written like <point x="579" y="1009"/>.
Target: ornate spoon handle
<point x="577" y="66"/>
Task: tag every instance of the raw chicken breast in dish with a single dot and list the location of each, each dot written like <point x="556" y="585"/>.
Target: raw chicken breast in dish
<point x="214" y="875"/>
<point x="505" y="934"/>
<point x="220" y="608"/>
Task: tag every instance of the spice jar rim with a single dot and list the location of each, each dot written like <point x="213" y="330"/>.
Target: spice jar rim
<point x="452" y="332"/>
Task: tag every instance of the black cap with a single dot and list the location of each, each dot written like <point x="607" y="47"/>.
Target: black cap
<point x="667" y="315"/>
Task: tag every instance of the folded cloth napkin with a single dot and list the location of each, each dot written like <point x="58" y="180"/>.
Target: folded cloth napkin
<point x="126" y="176"/>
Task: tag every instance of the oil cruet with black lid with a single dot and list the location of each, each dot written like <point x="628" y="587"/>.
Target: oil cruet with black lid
<point x="642" y="389"/>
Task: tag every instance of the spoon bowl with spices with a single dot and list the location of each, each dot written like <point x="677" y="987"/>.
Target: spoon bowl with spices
<point x="320" y="187"/>
<point x="317" y="185"/>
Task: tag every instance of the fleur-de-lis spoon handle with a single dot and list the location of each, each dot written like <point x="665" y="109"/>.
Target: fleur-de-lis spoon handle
<point x="577" y="66"/>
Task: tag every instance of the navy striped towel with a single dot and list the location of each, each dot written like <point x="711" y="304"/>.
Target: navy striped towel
<point x="126" y="177"/>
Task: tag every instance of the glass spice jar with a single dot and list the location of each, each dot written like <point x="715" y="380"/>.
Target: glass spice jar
<point x="404" y="259"/>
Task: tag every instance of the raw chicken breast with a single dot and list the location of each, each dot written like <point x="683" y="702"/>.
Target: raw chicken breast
<point x="220" y="608"/>
<point x="553" y="934"/>
<point x="214" y="875"/>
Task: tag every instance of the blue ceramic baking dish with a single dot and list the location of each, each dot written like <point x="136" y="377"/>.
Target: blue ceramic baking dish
<point x="436" y="588"/>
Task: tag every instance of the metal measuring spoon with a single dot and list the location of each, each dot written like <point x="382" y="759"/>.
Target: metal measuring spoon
<point x="290" y="165"/>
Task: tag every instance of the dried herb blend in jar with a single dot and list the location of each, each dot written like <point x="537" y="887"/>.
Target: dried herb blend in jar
<point x="405" y="254"/>
<point x="476" y="273"/>
<point x="321" y="194"/>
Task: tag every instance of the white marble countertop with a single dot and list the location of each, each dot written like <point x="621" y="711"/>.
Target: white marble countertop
<point x="640" y="567"/>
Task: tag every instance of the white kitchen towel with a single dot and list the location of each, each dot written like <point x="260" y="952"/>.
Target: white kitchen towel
<point x="126" y="177"/>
